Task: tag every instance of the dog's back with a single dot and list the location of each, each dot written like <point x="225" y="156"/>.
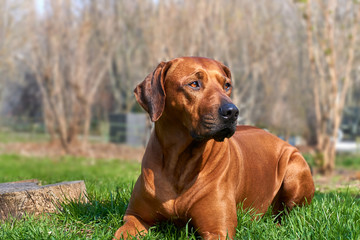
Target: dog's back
<point x="265" y="170"/>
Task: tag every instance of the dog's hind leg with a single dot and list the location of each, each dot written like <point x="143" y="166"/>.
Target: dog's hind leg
<point x="297" y="187"/>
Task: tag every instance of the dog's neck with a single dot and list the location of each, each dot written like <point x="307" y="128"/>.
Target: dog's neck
<point x="177" y="148"/>
<point x="173" y="137"/>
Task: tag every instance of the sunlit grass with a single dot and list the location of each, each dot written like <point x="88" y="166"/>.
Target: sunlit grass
<point x="332" y="215"/>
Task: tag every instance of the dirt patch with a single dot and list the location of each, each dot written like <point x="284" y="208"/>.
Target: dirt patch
<point x="92" y="150"/>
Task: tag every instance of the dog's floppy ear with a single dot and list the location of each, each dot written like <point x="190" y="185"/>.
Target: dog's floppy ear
<point x="226" y="70"/>
<point x="150" y="93"/>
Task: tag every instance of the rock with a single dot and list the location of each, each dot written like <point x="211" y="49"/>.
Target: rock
<point x="22" y="197"/>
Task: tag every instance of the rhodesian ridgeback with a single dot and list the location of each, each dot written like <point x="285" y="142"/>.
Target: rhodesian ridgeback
<point x="198" y="164"/>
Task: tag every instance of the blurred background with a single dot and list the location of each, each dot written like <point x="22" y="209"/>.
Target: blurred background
<point x="68" y="69"/>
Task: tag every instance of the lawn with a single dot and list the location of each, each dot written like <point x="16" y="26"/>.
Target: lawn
<point x="332" y="215"/>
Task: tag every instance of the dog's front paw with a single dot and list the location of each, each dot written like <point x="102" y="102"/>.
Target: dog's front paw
<point x="132" y="227"/>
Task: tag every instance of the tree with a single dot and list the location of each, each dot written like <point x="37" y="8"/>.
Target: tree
<point x="332" y="34"/>
<point x="73" y="47"/>
<point x="69" y="54"/>
<point x="10" y="37"/>
<point x="11" y="43"/>
<point x="129" y="60"/>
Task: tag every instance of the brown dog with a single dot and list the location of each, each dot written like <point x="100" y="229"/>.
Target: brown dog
<point x="198" y="165"/>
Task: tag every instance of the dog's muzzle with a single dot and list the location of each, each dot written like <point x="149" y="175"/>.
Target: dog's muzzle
<point x="223" y="127"/>
<point x="228" y="114"/>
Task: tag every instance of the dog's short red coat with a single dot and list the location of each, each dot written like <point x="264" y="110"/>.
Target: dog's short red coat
<point x="202" y="179"/>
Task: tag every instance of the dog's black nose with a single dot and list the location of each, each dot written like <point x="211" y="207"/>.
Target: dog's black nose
<point x="229" y="111"/>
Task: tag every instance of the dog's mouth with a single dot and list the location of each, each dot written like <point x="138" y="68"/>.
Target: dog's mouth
<point x="218" y="133"/>
<point x="224" y="133"/>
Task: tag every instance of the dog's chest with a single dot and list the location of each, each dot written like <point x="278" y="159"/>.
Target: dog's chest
<point x="170" y="194"/>
<point x="175" y="182"/>
<point x="176" y="208"/>
<point x="176" y="199"/>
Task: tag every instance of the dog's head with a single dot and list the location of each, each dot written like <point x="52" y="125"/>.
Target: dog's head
<point x="194" y="91"/>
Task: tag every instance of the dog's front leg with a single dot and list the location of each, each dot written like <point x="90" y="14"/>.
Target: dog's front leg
<point x="214" y="221"/>
<point x="133" y="226"/>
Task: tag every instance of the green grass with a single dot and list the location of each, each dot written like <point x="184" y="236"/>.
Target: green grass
<point x="351" y="161"/>
<point x="343" y="160"/>
<point x="101" y="176"/>
<point x="332" y="215"/>
<point x="10" y="136"/>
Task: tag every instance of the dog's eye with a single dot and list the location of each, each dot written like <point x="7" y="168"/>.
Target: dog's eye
<point x="194" y="84"/>
<point x="227" y="86"/>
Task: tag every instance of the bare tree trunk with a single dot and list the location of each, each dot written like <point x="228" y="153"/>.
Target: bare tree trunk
<point x="70" y="56"/>
<point x="330" y="85"/>
<point x="49" y="123"/>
